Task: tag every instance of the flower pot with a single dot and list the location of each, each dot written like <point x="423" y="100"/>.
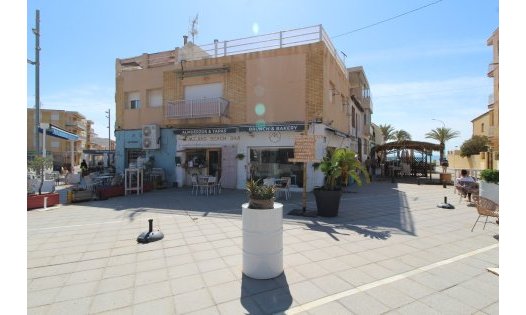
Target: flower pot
<point x="81" y="195"/>
<point x="489" y="191"/>
<point x="445" y="178"/>
<point x="262" y="241"/>
<point x="261" y="203"/>
<point x="110" y="191"/>
<point x="42" y="201"/>
<point x="327" y="202"/>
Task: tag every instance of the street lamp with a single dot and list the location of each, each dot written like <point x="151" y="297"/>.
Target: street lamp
<point x="443" y="125"/>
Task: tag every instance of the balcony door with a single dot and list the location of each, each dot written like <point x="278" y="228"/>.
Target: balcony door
<point x="197" y="92"/>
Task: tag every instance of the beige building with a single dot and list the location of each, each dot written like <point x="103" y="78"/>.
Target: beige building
<point x="486" y="124"/>
<point x="234" y="108"/>
<point x="61" y="149"/>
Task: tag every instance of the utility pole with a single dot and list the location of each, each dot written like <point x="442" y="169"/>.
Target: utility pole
<point x="109" y="133"/>
<point x="36" y="63"/>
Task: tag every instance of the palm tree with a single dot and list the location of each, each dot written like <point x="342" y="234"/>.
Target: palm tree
<point x="401" y="135"/>
<point x="442" y="135"/>
<point x="387" y="132"/>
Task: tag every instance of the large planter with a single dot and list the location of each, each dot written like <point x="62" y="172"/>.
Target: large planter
<point x="489" y="191"/>
<point x="327" y="202"/>
<point x="81" y="195"/>
<point x="445" y="178"/>
<point x="110" y="191"/>
<point x="262" y="241"/>
<point x="42" y="201"/>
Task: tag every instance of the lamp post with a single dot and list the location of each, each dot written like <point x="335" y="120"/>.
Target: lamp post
<point x="36" y="63"/>
<point x="443" y="124"/>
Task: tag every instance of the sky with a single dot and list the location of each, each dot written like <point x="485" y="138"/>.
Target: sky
<point x="428" y="64"/>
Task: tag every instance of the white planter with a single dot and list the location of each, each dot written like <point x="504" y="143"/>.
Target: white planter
<point x="262" y="241"/>
<point x="489" y="191"/>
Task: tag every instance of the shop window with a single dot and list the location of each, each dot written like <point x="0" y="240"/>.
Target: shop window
<point x="274" y="163"/>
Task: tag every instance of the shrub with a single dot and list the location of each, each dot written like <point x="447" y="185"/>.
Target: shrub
<point x="490" y="175"/>
<point x="474" y="146"/>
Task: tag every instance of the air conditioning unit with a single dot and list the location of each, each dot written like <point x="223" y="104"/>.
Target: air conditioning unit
<point x="151" y="137"/>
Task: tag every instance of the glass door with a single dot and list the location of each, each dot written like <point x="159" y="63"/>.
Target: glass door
<point x="214" y="162"/>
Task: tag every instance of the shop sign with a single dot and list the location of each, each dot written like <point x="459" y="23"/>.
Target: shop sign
<point x="262" y="128"/>
<point x="204" y="131"/>
<point x="304" y="149"/>
<point x="210" y="138"/>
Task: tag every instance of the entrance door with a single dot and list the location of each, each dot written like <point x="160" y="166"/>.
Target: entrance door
<point x="214" y="163"/>
<point x="229" y="167"/>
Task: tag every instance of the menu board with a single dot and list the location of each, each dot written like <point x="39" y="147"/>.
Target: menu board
<point x="304" y="149"/>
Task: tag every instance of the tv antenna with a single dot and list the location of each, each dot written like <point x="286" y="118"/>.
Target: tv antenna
<point x="194" y="31"/>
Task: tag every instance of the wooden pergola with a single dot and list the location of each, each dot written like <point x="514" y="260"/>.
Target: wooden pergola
<point x="425" y="148"/>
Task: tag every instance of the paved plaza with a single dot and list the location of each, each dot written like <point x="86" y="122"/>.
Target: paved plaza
<point x="391" y="250"/>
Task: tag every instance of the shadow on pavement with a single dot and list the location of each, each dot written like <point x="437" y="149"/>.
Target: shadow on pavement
<point x="265" y="296"/>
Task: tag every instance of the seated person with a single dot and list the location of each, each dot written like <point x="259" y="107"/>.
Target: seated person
<point x="466" y="184"/>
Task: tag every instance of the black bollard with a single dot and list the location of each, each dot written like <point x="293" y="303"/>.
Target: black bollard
<point x="150" y="236"/>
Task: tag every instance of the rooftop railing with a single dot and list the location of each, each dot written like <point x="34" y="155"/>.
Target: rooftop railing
<point x="281" y="39"/>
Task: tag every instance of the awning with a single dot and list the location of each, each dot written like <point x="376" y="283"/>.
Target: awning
<point x="59" y="133"/>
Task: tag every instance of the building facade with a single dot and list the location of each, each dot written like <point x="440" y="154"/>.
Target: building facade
<point x="486" y="124"/>
<point x="233" y="109"/>
<point x="61" y="149"/>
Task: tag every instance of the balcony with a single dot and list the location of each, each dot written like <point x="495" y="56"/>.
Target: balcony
<point x="201" y="108"/>
<point x="491" y="69"/>
<point x="491" y="100"/>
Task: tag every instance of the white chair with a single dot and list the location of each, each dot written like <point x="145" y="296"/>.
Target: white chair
<point x="212" y="183"/>
<point x="269" y="181"/>
<point x="202" y="184"/>
<point x="219" y="185"/>
<point x="284" y="187"/>
<point x="195" y="185"/>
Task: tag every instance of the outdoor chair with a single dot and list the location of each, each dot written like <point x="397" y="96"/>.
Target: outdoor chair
<point x="465" y="188"/>
<point x="212" y="183"/>
<point x="195" y="184"/>
<point x="219" y="184"/>
<point x="486" y="207"/>
<point x="268" y="181"/>
<point x="284" y="187"/>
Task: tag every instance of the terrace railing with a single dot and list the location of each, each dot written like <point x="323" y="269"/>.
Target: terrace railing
<point x="200" y="108"/>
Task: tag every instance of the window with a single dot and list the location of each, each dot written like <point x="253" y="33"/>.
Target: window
<point x="332" y="92"/>
<point x="196" y="92"/>
<point x="353" y="115"/>
<point x="482" y="127"/>
<point x="55" y="116"/>
<point x="155" y="98"/>
<point x="134" y="100"/>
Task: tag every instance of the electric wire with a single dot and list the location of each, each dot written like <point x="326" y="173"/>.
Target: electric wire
<point x="386" y="20"/>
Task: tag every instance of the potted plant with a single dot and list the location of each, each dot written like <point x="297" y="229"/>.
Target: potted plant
<point x="39" y="164"/>
<point x="262" y="232"/>
<point x="338" y="167"/>
<point x="489" y="185"/>
<point x="240" y="156"/>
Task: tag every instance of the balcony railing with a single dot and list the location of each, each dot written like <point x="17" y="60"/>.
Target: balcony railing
<point x="200" y="108"/>
<point x="491" y="68"/>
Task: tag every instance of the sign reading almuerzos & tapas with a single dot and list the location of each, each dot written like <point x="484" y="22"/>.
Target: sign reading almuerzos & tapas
<point x="204" y="131"/>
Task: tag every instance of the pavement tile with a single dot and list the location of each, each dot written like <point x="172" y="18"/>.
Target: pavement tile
<point x="116" y="283"/>
<point x="445" y="304"/>
<point x="77" y="306"/>
<point x="152" y="291"/>
<point x="76" y="291"/>
<point x="355" y="277"/>
<point x="273" y="301"/>
<point x="193" y="301"/>
<point x="211" y="264"/>
<point x="311" y="270"/>
<point x="218" y="276"/>
<point x="119" y="270"/>
<point x="389" y="296"/>
<point x="42" y="297"/>
<point x="333" y="308"/>
<point x="306" y="291"/>
<point x="150" y="276"/>
<point x="416" y="308"/>
<point x="183" y="270"/>
<point x="187" y="284"/>
<point x="226" y="291"/>
<point x="245" y="305"/>
<point x="47" y="282"/>
<point x="362" y="303"/>
<point x="331" y="284"/>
